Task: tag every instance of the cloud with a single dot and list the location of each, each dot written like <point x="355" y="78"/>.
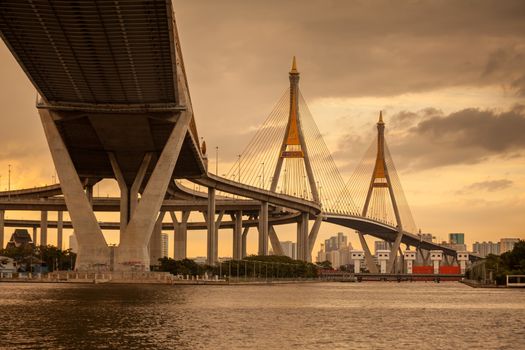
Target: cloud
<point x="469" y="136"/>
<point x="489" y="186"/>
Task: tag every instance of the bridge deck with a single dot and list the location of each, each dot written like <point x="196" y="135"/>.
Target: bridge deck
<point x="94" y="52"/>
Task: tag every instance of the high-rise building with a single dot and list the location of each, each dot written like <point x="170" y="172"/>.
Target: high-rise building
<point x="164" y="244"/>
<point x="342" y="240"/>
<point x="336" y="249"/>
<point x="507" y="244"/>
<point x="336" y="242"/>
<point x="485" y="248"/>
<point x="456" y="238"/>
<point x="321" y="255"/>
<point x="290" y="249"/>
<point x="335" y="258"/>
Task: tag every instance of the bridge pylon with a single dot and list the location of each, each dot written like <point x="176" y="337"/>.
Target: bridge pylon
<point x="293" y="147"/>
<point x="381" y="179"/>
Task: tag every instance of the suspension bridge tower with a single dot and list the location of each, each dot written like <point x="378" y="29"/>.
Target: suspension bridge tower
<point x="294" y="149"/>
<point x="381" y="181"/>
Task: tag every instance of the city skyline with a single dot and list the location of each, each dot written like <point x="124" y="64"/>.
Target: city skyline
<point x="439" y="113"/>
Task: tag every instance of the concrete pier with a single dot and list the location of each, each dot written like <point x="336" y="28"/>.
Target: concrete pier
<point x="210" y="251"/>
<point x="2" y="226"/>
<point x="43" y="228"/>
<point x="60" y="230"/>
<point x="302" y="237"/>
<point x="180" y="241"/>
<point x="263" y="229"/>
<point x="237" y="236"/>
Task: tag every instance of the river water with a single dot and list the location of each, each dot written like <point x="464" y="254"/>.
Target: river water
<point x="368" y="315"/>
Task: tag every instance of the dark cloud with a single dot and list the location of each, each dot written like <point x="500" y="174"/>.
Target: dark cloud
<point x="489" y="186"/>
<point x="468" y="136"/>
<point x="429" y="138"/>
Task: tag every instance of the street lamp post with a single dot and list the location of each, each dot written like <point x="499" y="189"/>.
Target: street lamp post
<point x="9" y="182"/>
<point x="217" y="160"/>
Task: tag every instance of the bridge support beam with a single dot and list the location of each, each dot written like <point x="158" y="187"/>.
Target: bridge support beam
<point x="43" y="228"/>
<point x="312" y="237"/>
<point x="155" y="241"/>
<point x="302" y="238"/>
<point x="180" y="235"/>
<point x="89" y="193"/>
<point x="60" y="230"/>
<point x="210" y="251"/>
<point x="263" y="229"/>
<point x="369" y="258"/>
<point x="393" y="252"/>
<point x="133" y="244"/>
<point x="274" y="239"/>
<point x="128" y="196"/>
<point x="2" y="226"/>
<point x="93" y="251"/>
<point x="237" y="236"/>
<point x="124" y="193"/>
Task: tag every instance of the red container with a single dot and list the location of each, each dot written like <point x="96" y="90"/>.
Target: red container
<point x="422" y="270"/>
<point x="449" y="270"/>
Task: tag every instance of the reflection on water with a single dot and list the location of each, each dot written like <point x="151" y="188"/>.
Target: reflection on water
<point x="305" y="316"/>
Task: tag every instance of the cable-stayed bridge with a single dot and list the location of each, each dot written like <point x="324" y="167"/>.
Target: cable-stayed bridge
<point x="114" y="102"/>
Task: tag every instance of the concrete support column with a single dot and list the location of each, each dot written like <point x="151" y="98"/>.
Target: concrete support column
<point x="89" y="194"/>
<point x="60" y="230"/>
<point x="180" y="235"/>
<point x="263" y="229"/>
<point x="237" y="236"/>
<point x="302" y="238"/>
<point x="93" y="251"/>
<point x="35" y="236"/>
<point x="2" y="226"/>
<point x="211" y="244"/>
<point x="124" y="193"/>
<point x="155" y="242"/>
<point x="133" y="244"/>
<point x="137" y="183"/>
<point x="43" y="228"/>
<point x="243" y="241"/>
<point x="216" y="238"/>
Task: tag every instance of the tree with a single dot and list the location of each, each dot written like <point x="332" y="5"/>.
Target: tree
<point x="327" y="265"/>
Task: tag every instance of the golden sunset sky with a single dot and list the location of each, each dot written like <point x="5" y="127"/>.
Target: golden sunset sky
<point x="449" y="77"/>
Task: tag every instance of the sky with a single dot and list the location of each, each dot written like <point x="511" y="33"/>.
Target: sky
<point x="449" y="77"/>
